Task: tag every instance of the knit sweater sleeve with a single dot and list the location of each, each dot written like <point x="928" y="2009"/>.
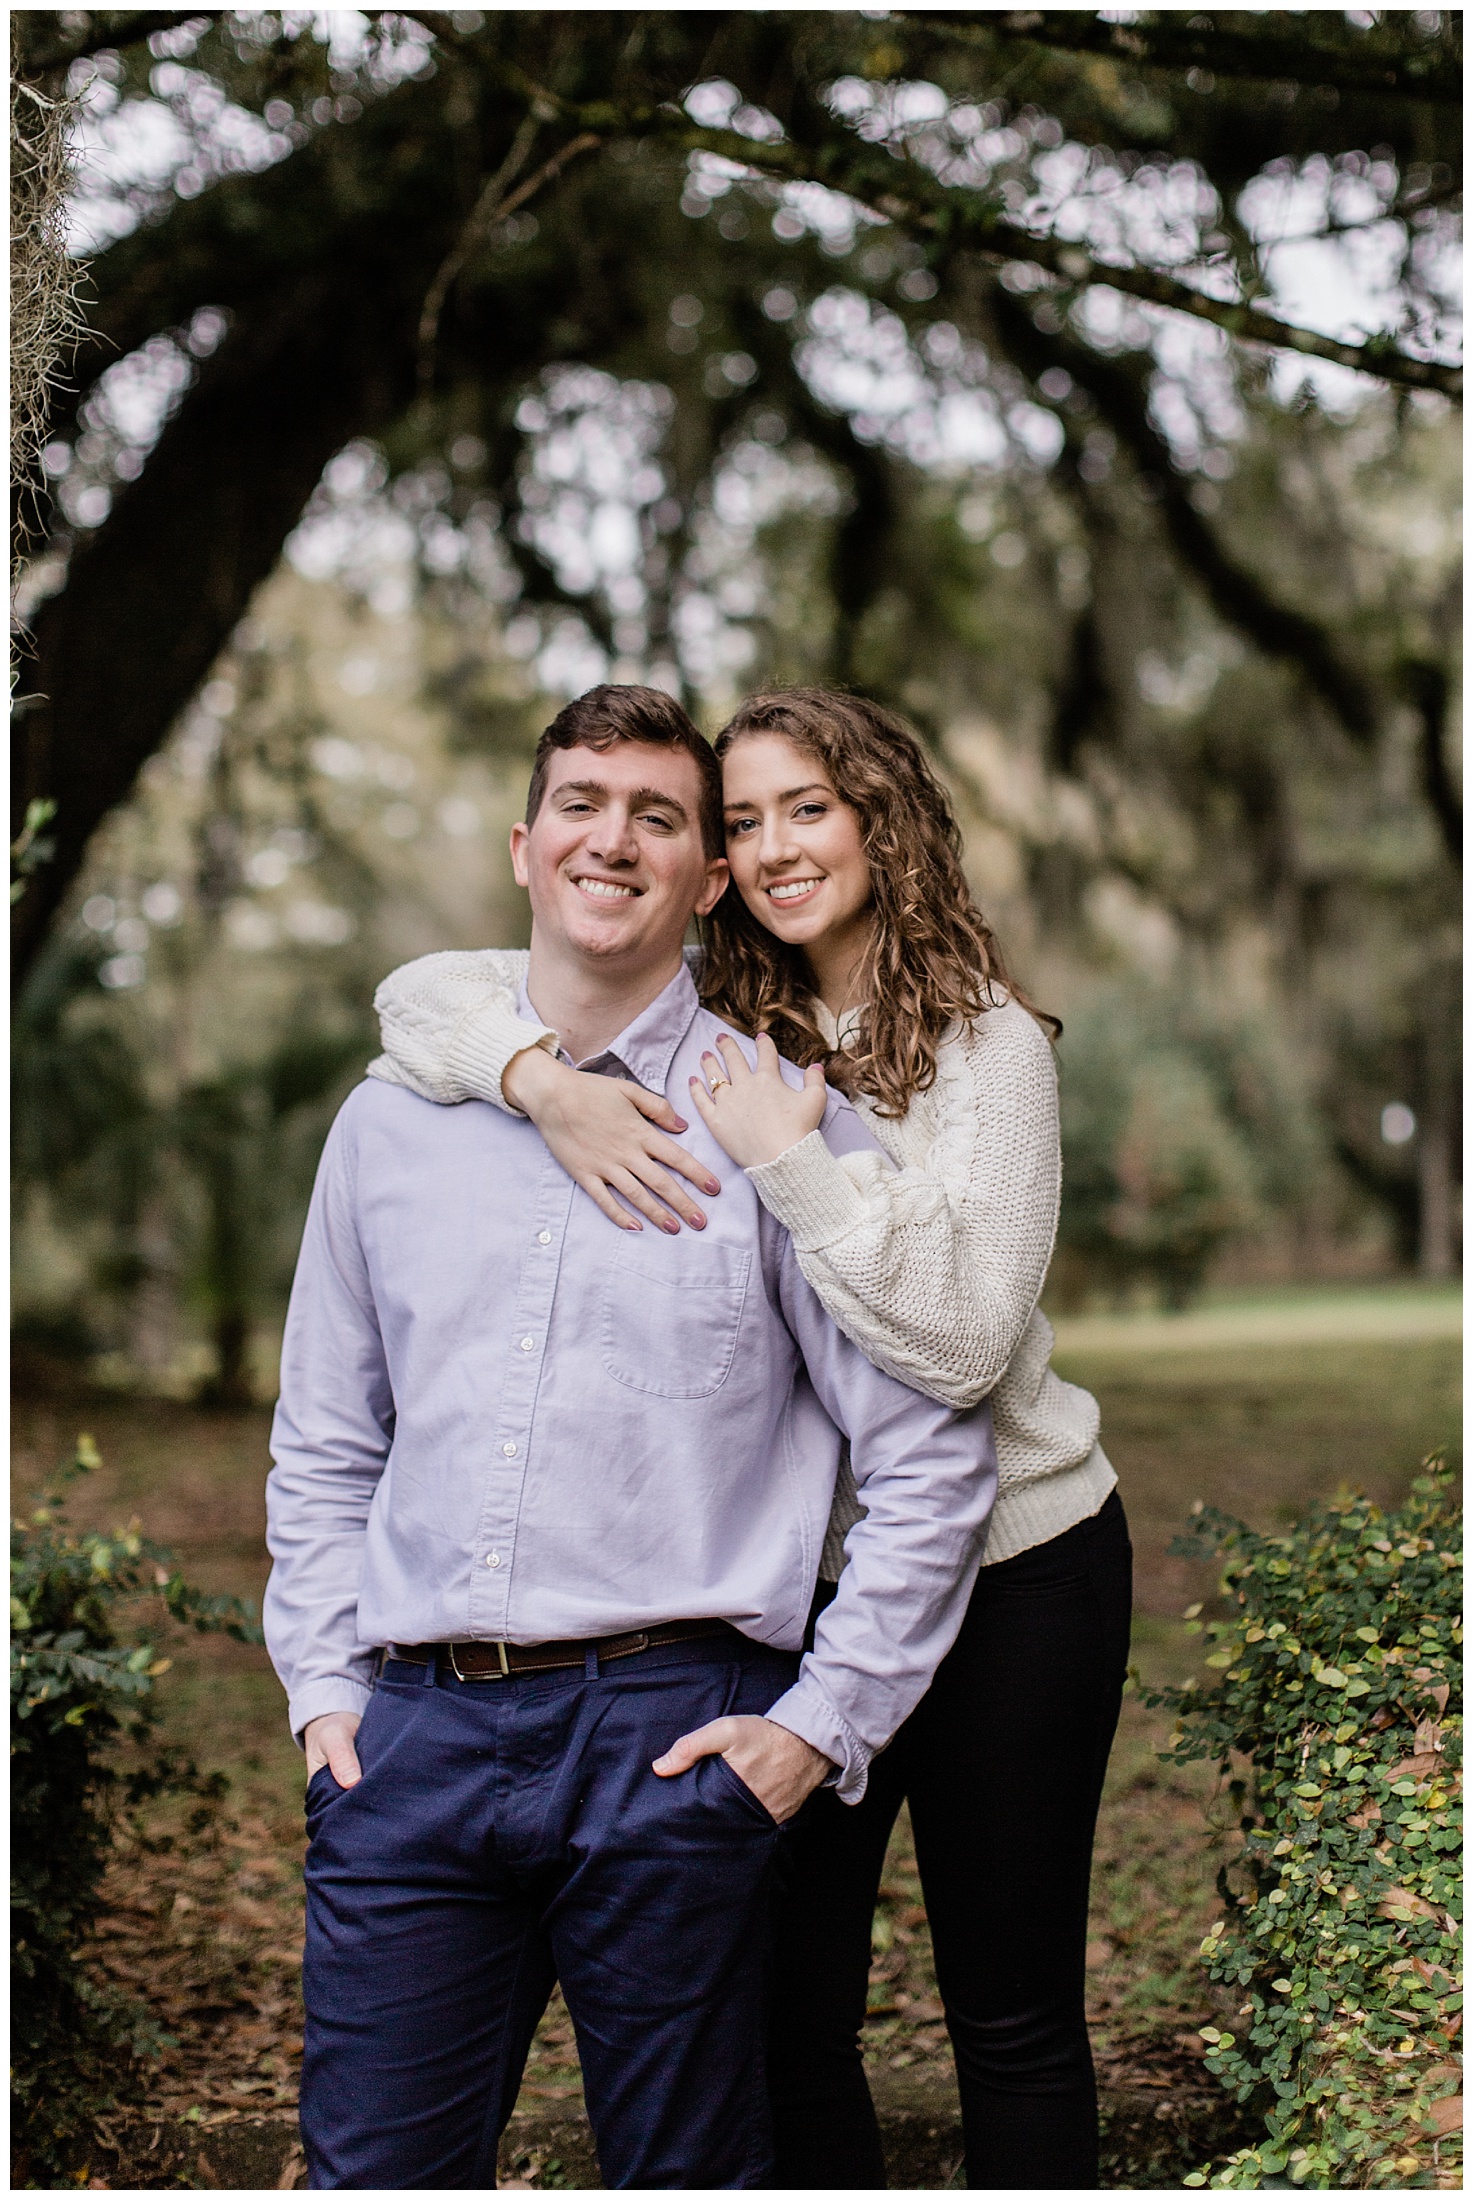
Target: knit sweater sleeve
<point x="934" y="1269"/>
<point x="450" y="1025"/>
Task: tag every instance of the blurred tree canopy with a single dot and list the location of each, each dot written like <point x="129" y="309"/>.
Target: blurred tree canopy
<point x="1086" y="388"/>
<point x="379" y="278"/>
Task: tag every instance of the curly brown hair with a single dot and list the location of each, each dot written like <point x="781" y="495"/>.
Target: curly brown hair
<point x="932" y="960"/>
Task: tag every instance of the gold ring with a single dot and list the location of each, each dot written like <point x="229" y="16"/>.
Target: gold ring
<point x="715" y="1082"/>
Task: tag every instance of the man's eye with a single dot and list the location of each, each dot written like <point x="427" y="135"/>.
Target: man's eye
<point x="657" y="817"/>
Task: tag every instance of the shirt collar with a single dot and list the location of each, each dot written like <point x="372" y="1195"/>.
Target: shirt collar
<point x="646" y="1048"/>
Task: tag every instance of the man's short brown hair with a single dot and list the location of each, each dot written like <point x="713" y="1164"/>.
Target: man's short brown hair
<point x="609" y="714"/>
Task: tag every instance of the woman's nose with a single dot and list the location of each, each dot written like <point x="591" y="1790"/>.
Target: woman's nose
<point x="776" y="846"/>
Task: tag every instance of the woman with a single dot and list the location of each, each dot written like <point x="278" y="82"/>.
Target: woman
<point x="852" y="938"/>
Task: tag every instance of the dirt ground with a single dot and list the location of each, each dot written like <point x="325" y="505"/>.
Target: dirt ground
<point x="208" y="1929"/>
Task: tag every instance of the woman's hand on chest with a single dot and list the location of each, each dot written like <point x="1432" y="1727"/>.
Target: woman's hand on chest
<point x="755" y="1114"/>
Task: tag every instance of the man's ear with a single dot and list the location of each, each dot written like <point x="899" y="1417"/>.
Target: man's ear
<point x="718" y="876"/>
<point x="519" y="839"/>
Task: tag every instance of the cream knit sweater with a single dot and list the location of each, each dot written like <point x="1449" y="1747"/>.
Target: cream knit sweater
<point x="933" y="1268"/>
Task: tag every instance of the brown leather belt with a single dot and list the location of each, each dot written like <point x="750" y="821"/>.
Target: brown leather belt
<point x="499" y="1661"/>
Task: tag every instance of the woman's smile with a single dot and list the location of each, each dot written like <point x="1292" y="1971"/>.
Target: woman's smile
<point x="792" y="889"/>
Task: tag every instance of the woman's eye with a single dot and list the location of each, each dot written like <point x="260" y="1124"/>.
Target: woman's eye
<point x="740" y="825"/>
<point x="808" y="810"/>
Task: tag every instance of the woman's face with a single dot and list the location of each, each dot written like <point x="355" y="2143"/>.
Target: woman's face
<point x="796" y="855"/>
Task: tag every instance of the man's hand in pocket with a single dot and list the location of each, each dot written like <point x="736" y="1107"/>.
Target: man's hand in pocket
<point x="780" y="1768"/>
<point x="329" y="1741"/>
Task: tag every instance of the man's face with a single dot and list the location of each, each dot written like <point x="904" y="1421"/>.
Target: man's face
<point x="613" y="861"/>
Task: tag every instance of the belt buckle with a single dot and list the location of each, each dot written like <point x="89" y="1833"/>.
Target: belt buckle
<point x="504" y="1674"/>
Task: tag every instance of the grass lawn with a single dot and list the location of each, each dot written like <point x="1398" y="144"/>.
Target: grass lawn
<point x="1258" y="1414"/>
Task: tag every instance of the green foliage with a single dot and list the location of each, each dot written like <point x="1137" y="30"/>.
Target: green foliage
<point x="77" y="1088"/>
<point x="225" y="1160"/>
<point x="1340" y="1683"/>
<point x="29" y="848"/>
<point x="82" y="1675"/>
<point x="1182" y="1130"/>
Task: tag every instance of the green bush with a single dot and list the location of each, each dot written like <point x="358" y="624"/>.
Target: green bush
<point x="1184" y="1129"/>
<point x="82" y="1673"/>
<point x="1340" y="1683"/>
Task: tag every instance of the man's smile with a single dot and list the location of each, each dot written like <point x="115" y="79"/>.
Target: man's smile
<point x="605" y="889"/>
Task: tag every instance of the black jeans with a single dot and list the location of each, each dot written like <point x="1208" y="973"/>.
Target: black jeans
<point x="1002" y="1765"/>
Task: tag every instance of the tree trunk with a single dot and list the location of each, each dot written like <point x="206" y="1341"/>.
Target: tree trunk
<point x="1436" y="1218"/>
<point x="150" y="602"/>
<point x="230" y="1386"/>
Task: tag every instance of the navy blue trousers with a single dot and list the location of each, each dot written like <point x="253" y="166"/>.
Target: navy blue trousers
<point x="508" y="1833"/>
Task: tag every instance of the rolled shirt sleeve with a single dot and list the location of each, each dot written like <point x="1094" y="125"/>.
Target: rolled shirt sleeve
<point x="928" y="1480"/>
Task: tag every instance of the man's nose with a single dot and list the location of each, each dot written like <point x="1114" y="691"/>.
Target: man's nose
<point x="612" y="839"/>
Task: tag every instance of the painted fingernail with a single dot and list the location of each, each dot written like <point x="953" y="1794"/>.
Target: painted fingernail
<point x="672" y="1227"/>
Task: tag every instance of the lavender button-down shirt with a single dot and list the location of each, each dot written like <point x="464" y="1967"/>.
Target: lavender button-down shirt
<point x="501" y="1420"/>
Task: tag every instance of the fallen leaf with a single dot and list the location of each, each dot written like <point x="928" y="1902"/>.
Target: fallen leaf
<point x="1447" y="2115"/>
<point x="291" y="2169"/>
<point x="1398" y="1904"/>
<point x="1420" y="1767"/>
<point x="1097" y="1955"/>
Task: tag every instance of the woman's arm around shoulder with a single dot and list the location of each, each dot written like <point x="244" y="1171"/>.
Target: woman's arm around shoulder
<point x="452" y="1031"/>
<point x="934" y="1268"/>
<point x="450" y="1025"/>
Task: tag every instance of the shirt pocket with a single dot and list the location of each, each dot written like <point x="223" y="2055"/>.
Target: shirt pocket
<point x="673" y="1336"/>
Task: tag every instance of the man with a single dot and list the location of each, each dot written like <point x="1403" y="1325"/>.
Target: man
<point x="549" y="1500"/>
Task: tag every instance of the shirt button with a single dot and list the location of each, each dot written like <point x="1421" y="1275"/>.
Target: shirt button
<point x="508" y="1451"/>
<point x="493" y="1559"/>
<point x="544" y="1237"/>
<point x="527" y="1344"/>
